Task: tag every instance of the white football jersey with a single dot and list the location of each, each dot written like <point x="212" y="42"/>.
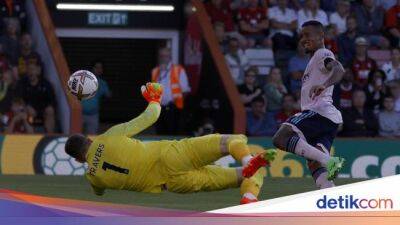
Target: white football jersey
<point x="317" y="74"/>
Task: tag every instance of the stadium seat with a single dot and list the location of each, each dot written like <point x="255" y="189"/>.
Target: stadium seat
<point x="262" y="58"/>
<point x="380" y="56"/>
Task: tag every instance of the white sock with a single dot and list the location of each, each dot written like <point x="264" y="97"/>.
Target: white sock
<point x="306" y="150"/>
<point x="322" y="182"/>
<point x="246" y="160"/>
<point x="249" y="195"/>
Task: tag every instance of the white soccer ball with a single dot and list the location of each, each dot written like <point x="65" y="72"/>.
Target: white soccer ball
<point x="83" y="84"/>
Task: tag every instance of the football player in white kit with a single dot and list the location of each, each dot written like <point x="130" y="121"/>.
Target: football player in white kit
<point x="310" y="133"/>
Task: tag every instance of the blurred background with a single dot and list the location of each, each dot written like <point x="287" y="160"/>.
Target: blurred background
<point x="228" y="66"/>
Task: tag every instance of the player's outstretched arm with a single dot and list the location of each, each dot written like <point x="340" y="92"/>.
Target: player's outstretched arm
<point x="336" y="77"/>
<point x="152" y="92"/>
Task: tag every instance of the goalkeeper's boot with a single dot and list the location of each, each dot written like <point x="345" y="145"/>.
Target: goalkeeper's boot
<point x="262" y="159"/>
<point x="246" y="200"/>
<point x="334" y="165"/>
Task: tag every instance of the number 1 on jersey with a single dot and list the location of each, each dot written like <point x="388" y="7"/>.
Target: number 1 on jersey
<point x="109" y="166"/>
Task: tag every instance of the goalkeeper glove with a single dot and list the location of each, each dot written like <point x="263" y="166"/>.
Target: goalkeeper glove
<point x="152" y="92"/>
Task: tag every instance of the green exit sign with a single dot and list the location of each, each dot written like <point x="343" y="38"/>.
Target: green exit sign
<point x="108" y="18"/>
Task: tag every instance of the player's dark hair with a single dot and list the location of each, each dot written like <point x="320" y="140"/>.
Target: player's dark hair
<point x="313" y="23"/>
<point x="75" y="145"/>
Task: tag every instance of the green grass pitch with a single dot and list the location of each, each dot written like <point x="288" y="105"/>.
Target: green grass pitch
<point x="76" y="187"/>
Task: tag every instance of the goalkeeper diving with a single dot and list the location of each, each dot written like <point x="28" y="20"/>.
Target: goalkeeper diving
<point x="118" y="161"/>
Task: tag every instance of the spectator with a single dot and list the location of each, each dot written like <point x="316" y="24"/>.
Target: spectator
<point x="236" y="60"/>
<point x="346" y="42"/>
<point x="19" y="119"/>
<point x="9" y="40"/>
<point x="370" y="21"/>
<point x="297" y="66"/>
<point x="283" y="24"/>
<point x="260" y="123"/>
<point x="393" y="25"/>
<point x="297" y="4"/>
<point x="13" y="9"/>
<point x="395" y="91"/>
<point x="343" y="92"/>
<point x="392" y="68"/>
<point x="219" y="29"/>
<point x="4" y="62"/>
<point x="91" y="107"/>
<point x="207" y="127"/>
<point x="329" y="6"/>
<point x="7" y="92"/>
<point x="240" y="4"/>
<point x="389" y="120"/>
<point x="358" y="121"/>
<point x="386" y="4"/>
<point x="375" y="90"/>
<point x="176" y="87"/>
<point x="253" y="24"/>
<point x="26" y="54"/>
<point x="274" y="90"/>
<point x="219" y="11"/>
<point x="311" y="11"/>
<point x="38" y="94"/>
<point x="362" y="64"/>
<point x="250" y="90"/>
<point x="339" y="17"/>
<point x="288" y="109"/>
<point x="330" y="39"/>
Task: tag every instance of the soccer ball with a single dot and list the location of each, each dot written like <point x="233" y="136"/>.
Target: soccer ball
<point x="83" y="84"/>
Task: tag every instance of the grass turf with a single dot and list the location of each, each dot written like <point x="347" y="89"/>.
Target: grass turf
<point x="76" y="187"/>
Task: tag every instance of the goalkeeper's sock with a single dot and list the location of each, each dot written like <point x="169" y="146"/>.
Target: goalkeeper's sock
<point x="251" y="186"/>
<point x="249" y="196"/>
<point x="246" y="159"/>
<point x="238" y="149"/>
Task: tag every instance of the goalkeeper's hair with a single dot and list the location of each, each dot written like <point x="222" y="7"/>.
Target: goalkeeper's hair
<point x="76" y="145"/>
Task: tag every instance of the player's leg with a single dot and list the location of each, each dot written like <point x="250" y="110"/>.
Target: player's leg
<point x="208" y="178"/>
<point x="237" y="147"/>
<point x="293" y="135"/>
<point x="318" y="172"/>
<point x="194" y="153"/>
<point x="214" y="178"/>
<point x="291" y="138"/>
<point x="204" y="150"/>
<point x="250" y="187"/>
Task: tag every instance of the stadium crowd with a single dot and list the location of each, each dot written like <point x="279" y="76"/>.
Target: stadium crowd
<point x="364" y="35"/>
<point x="27" y="103"/>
